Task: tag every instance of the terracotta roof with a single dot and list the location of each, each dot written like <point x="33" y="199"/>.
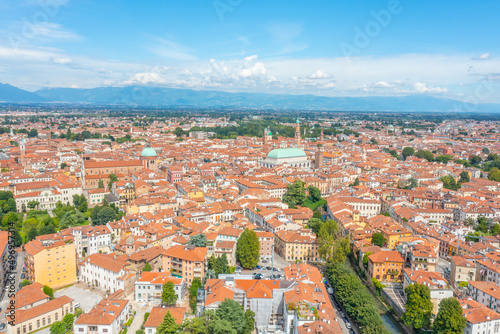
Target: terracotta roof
<point x="51" y="305"/>
<point x="158" y="313"/>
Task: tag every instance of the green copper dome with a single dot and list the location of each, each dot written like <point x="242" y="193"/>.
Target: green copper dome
<point x="148" y="152"/>
<point x="282" y="153"/>
<point x="297" y="121"/>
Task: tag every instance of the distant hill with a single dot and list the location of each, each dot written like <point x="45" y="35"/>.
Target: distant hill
<point x="10" y="93"/>
<point x="189" y="98"/>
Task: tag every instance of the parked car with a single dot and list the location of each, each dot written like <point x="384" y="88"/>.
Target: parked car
<point x="348" y="325"/>
<point x="276" y="269"/>
<point x="272" y="277"/>
<point x="258" y="276"/>
<point x="23" y="275"/>
<point x="2" y="326"/>
<point x="258" y="267"/>
<point x="278" y="276"/>
<point x="269" y="268"/>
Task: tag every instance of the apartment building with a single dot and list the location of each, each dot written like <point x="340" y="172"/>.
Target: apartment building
<point x="148" y="287"/>
<point x="53" y="264"/>
<point x="185" y="261"/>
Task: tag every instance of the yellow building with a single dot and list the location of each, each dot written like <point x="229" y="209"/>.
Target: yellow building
<point x="393" y="234"/>
<point x="53" y="264"/>
<point x="297" y="246"/>
<point x="386" y="266"/>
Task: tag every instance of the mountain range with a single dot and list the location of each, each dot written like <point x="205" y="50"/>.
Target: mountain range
<point x="146" y="96"/>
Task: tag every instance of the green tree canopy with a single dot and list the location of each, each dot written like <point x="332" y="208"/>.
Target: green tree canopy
<point x="408" y="152"/>
<point x="198" y="240"/>
<point x="231" y="311"/>
<point x="494" y="174"/>
<point x="248" y="249"/>
<point x="314" y="193"/>
<point x="464" y="177"/>
<point x="168" y="295"/>
<point x="168" y="326"/>
<point x="48" y="291"/>
<point x="295" y="194"/>
<point x="378" y="239"/>
<point x="147" y="267"/>
<point x="418" y="306"/>
<point x="449" y="319"/>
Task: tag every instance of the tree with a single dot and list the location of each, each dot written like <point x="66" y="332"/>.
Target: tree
<point x="378" y="239"/>
<point x="105" y="215"/>
<point x="315" y="224"/>
<point x="168" y="295"/>
<point x="100" y="184"/>
<point x="494" y="174"/>
<point x="57" y="328"/>
<point x="178" y="131"/>
<point x="424" y="154"/>
<point x="231" y="311"/>
<point x="48" y="291"/>
<point x="418" y="306"/>
<point x="33" y="133"/>
<point x="482" y="224"/>
<point x="193" y="293"/>
<point x="198" y="240"/>
<point x="68" y="322"/>
<point x="314" y="193"/>
<point x="408" y="152"/>
<point x="248" y="249"/>
<point x="365" y="259"/>
<point x="485" y="150"/>
<point x="147" y="267"/>
<point x="495" y="229"/>
<point x="24" y="283"/>
<point x="112" y="179"/>
<point x="194" y="326"/>
<point x="449" y="319"/>
<point x="32" y="233"/>
<point x="412" y="183"/>
<point x="475" y="160"/>
<point x="356" y="182"/>
<point x="464" y="177"/>
<point x="33" y="204"/>
<point x="63" y="165"/>
<point x="295" y="194"/>
<point x="449" y="182"/>
<point x="168" y="326"/>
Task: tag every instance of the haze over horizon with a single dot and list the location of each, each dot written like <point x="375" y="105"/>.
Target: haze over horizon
<point x="381" y="48"/>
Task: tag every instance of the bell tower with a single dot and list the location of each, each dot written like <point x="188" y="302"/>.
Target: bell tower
<point x="297" y="131"/>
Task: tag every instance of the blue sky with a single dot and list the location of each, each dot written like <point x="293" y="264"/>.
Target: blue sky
<point x="333" y="48"/>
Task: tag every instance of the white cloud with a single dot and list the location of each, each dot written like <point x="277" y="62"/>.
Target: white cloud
<point x="319" y="75"/>
<point x="145" y="78"/>
<point x="383" y="84"/>
<point x="62" y="61"/>
<point x="421" y="87"/>
<point x="51" y="30"/>
<point x="250" y="58"/>
<point x="485" y="56"/>
<point x="256" y="69"/>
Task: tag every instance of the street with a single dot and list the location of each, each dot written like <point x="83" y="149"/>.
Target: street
<point x="4" y="300"/>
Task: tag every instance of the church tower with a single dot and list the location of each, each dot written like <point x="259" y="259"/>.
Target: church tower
<point x="268" y="136"/>
<point x="321" y="135"/>
<point x="297" y="131"/>
<point x="318" y="159"/>
<point x="22" y="146"/>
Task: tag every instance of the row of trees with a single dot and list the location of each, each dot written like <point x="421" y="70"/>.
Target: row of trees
<point x="419" y="307"/>
<point x="228" y="318"/>
<point x="357" y="301"/>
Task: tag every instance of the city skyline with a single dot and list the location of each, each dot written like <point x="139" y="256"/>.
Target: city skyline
<point x="385" y="48"/>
